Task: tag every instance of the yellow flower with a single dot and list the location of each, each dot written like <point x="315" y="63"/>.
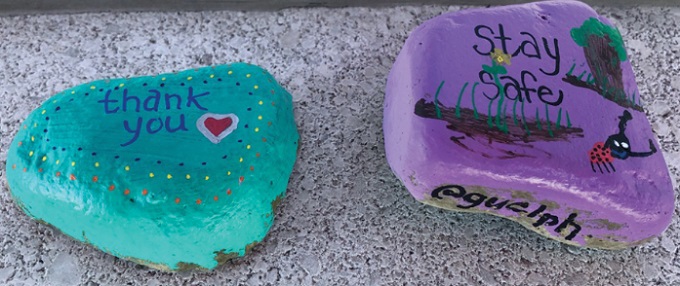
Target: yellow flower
<point x="500" y="58"/>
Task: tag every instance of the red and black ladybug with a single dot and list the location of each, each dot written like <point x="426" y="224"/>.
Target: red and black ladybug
<point x="617" y="146"/>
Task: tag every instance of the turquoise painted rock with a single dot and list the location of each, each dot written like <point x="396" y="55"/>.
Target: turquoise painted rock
<point x="174" y="171"/>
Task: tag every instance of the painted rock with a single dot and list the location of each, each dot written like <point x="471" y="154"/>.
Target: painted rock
<point x="528" y="112"/>
<point x="174" y="171"/>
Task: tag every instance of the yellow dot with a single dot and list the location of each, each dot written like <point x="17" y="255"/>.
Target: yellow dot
<point x="121" y="85"/>
<point x="32" y="138"/>
<point x="240" y="160"/>
<point x="73" y="163"/>
<point x="162" y="78"/>
<point x="169" y="176"/>
<point x="256" y="87"/>
<point x="230" y="72"/>
<point x="189" y="78"/>
<point x="259" y="117"/>
<point x="96" y="164"/>
<point x="248" y="147"/>
<point x="35" y="124"/>
<point x="260" y="103"/>
<point x="73" y="92"/>
<point x="127" y="168"/>
<point x="212" y="76"/>
<point x="257" y="129"/>
<point x="30" y="153"/>
<point x="207" y="178"/>
<point x="57" y="162"/>
<point x="93" y="87"/>
<point x="43" y="112"/>
<point x="188" y="176"/>
<point x="151" y="175"/>
<point x="228" y="173"/>
<point x="248" y="75"/>
<point x="44" y="158"/>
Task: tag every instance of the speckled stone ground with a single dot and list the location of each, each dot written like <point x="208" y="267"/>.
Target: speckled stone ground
<point x="347" y="220"/>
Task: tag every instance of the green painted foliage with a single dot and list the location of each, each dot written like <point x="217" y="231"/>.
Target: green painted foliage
<point x="593" y="26"/>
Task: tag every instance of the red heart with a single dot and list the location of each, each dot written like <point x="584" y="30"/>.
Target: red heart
<point x="217" y="126"/>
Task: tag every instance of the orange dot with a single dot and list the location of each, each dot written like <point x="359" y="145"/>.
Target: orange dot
<point x="257" y="154"/>
<point x="264" y="139"/>
<point x="198" y="202"/>
<point x="228" y="191"/>
<point x="58" y="174"/>
<point x="126" y="192"/>
<point x="14" y="166"/>
<point x="21" y="143"/>
<point x="144" y="192"/>
<point x="95" y="179"/>
<point x="72" y="177"/>
<point x="40" y="170"/>
<point x="112" y="187"/>
<point x="177" y="200"/>
<point x="273" y="103"/>
<point x="215" y="198"/>
<point x="240" y="180"/>
<point x="252" y="168"/>
<point x="269" y="123"/>
<point x="24" y="169"/>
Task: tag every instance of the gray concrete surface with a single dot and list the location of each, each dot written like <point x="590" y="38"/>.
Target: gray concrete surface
<point x="347" y="220"/>
<point x="18" y="7"/>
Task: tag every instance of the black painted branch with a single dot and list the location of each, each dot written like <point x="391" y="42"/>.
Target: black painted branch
<point x="470" y="126"/>
<point x="573" y="80"/>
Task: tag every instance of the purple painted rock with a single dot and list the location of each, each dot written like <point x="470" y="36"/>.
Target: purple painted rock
<point x="528" y="112"/>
